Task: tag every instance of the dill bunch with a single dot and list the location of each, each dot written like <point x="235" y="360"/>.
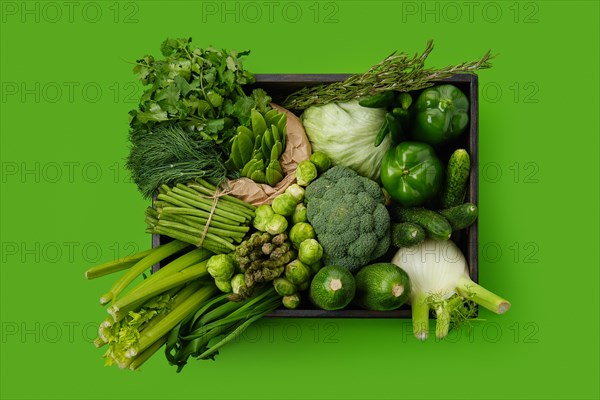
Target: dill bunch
<point x="399" y="72"/>
<point x="171" y="155"/>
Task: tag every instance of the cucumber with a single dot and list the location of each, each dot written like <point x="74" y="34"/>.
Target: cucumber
<point x="461" y="216"/>
<point x="436" y="226"/>
<point x="381" y="287"/>
<point x="407" y="234"/>
<point x="379" y="100"/>
<point x="457" y="175"/>
<point x="332" y="288"/>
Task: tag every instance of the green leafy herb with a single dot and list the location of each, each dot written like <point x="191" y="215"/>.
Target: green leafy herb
<point x="171" y="155"/>
<point x="199" y="89"/>
<point x="398" y="72"/>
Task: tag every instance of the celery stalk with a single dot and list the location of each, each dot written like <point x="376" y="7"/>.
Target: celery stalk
<point x="145" y="292"/>
<point x="157" y="254"/>
<point x="176" y="315"/>
<point x="115" y="265"/>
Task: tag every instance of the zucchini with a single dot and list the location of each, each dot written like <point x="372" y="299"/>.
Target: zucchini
<point x="332" y="288"/>
<point x="461" y="216"/>
<point x="407" y="234"/>
<point x="436" y="225"/>
<point x="381" y="287"/>
<point x="457" y="175"/>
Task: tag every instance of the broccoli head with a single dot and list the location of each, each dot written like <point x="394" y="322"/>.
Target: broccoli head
<point x="348" y="215"/>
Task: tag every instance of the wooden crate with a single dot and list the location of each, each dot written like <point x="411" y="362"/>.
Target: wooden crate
<point x="278" y="86"/>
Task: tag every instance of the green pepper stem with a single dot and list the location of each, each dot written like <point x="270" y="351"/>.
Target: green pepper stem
<point x="472" y="291"/>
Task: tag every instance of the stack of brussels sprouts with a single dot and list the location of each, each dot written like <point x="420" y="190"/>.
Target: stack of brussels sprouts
<point x="283" y="250"/>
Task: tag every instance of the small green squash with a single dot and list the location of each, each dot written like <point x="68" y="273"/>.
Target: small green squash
<point x="332" y="288"/>
<point x="381" y="287"/>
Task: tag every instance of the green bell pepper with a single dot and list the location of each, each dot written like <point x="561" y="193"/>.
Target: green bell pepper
<point x="412" y="173"/>
<point x="442" y="113"/>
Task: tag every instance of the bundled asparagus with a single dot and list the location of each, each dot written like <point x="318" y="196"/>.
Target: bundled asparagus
<point x="199" y="214"/>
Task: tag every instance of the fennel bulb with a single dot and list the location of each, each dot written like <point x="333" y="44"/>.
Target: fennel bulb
<point x="439" y="277"/>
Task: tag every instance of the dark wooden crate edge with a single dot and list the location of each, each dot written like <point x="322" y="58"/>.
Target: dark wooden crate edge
<point x="299" y="80"/>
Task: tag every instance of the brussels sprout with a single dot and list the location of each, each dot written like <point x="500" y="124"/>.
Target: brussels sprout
<point x="292" y="302"/>
<point x="284" y="204"/>
<point x="321" y="161"/>
<point x="238" y="282"/>
<point x="220" y="267"/>
<point x="315" y="267"/>
<point x="296" y="272"/>
<point x="223" y="286"/>
<point x="299" y="214"/>
<point x="284" y="287"/>
<point x="300" y="232"/>
<point x="296" y="191"/>
<point x="310" y="251"/>
<point x="305" y="173"/>
<point x="277" y="224"/>
<point x="304" y="285"/>
<point x="262" y="215"/>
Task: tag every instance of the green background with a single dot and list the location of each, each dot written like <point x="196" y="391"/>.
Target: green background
<point x="66" y="203"/>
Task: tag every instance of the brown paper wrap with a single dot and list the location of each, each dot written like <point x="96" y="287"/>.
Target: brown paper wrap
<point x="297" y="149"/>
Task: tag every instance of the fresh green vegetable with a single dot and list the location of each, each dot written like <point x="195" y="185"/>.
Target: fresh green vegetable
<point x="378" y="100"/>
<point x="462" y="216"/>
<point x="183" y="212"/>
<point x="332" y="288"/>
<point x="277" y="224"/>
<point x="297" y="272"/>
<point x="383" y="131"/>
<point x="412" y="173"/>
<point x="284" y="287"/>
<point x="339" y="130"/>
<point x="140" y="318"/>
<point x="238" y="283"/>
<point x="284" y="204"/>
<point x="438" y="271"/>
<point x="321" y="161"/>
<point x="301" y="232"/>
<point x="291" y="301"/>
<point x="299" y="214"/>
<point x="296" y="191"/>
<point x="220" y="267"/>
<point x="255" y="152"/>
<point x="262" y="258"/>
<point x="434" y="224"/>
<point x="306" y="172"/>
<point x="348" y="215"/>
<point x="171" y="155"/>
<point x="381" y="287"/>
<point x="200" y="89"/>
<point x="304" y="285"/>
<point x="457" y="176"/>
<point x="262" y="216"/>
<point x="224" y="286"/>
<point x="406" y="234"/>
<point x="441" y="114"/>
<point x="310" y="251"/>
<point x="399" y="72"/>
<point x="314" y="268"/>
<point x="215" y="323"/>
